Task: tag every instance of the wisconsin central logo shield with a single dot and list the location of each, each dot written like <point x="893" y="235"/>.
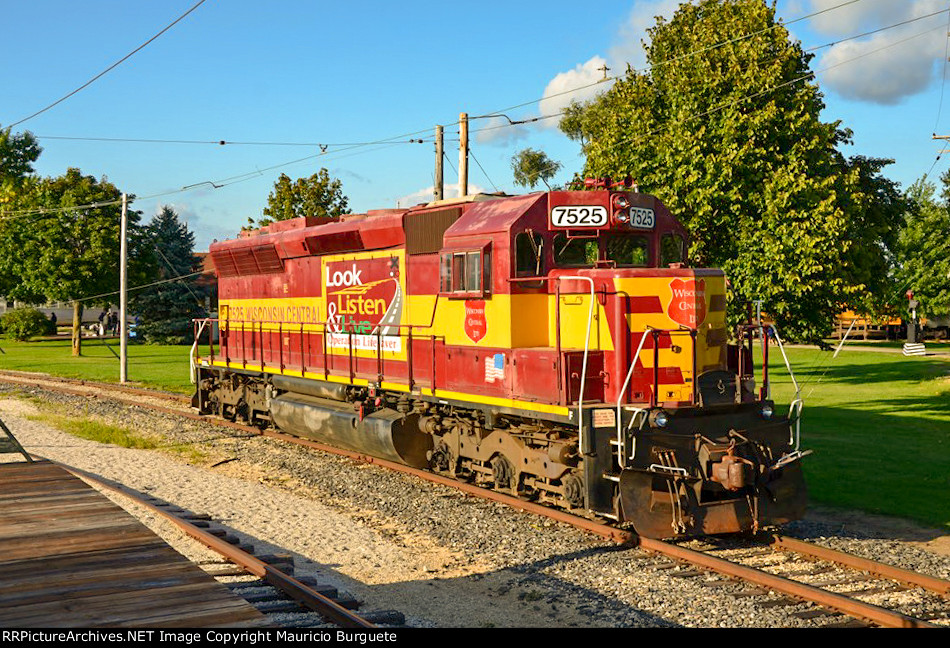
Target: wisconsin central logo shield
<point x="688" y="306"/>
<point x="476" y="325"/>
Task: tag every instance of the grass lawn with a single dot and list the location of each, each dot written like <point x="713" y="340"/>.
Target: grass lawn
<point x="160" y="367"/>
<point x="879" y="424"/>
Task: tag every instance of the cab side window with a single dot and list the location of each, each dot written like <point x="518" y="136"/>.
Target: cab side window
<point x="466" y="273"/>
<point x="529" y="255"/>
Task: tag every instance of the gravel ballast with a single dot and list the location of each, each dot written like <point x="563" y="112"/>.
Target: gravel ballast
<point x="442" y="558"/>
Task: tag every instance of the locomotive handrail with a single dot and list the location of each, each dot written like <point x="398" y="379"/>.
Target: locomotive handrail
<point x="193" y="354"/>
<point x="258" y="329"/>
<point x="621" y="448"/>
<point x="795" y="435"/>
<point x="655" y="332"/>
<point x="797" y="403"/>
<point x="590" y="319"/>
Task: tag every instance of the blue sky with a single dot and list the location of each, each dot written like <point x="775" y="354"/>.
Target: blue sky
<point x="340" y="74"/>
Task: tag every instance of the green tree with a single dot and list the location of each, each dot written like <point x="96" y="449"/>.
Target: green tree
<point x="876" y="213"/>
<point x="167" y="309"/>
<point x="67" y="251"/>
<point x="319" y="195"/>
<point x="731" y="140"/>
<point x="17" y="154"/>
<point x="530" y="167"/>
<point x="923" y="252"/>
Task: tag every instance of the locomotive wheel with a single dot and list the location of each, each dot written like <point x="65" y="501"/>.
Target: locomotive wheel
<point x="442" y="459"/>
<point x="573" y="489"/>
<point x="503" y="472"/>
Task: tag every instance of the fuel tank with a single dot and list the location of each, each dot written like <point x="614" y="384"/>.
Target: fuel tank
<point x="385" y="433"/>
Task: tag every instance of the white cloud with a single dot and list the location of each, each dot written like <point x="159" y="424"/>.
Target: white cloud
<point x="628" y="44"/>
<point x="584" y="81"/>
<point x="427" y="195"/>
<point x="888" y="66"/>
<point x="864" y="15"/>
<point x="499" y="130"/>
<point x="581" y="84"/>
<point x="627" y="49"/>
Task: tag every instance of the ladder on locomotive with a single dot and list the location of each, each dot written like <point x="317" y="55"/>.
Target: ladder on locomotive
<point x="9" y="444"/>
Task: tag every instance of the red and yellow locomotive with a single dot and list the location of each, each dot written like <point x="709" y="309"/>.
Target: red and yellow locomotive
<point x="552" y="345"/>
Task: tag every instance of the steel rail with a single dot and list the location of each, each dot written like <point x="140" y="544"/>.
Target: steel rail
<point x="837" y="602"/>
<point x="929" y="583"/>
<point x="830" y="600"/>
<point x="849" y="606"/>
<point x="27" y="377"/>
<point x="304" y="595"/>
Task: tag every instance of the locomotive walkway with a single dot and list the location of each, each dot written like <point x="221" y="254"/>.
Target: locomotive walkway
<point x="71" y="558"/>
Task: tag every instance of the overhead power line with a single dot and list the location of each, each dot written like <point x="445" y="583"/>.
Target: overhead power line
<point x="803" y="78"/>
<point x="385" y="143"/>
<point x="140" y="140"/>
<point x="110" y="68"/>
<point x="42" y="211"/>
<point x="815" y="48"/>
<point x="391" y="140"/>
<point x="498" y="113"/>
<point x="943" y="80"/>
<point x="148" y="285"/>
<point x="654" y="65"/>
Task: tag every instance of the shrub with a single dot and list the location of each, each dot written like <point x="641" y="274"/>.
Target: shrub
<point x="173" y="331"/>
<point x="23" y="323"/>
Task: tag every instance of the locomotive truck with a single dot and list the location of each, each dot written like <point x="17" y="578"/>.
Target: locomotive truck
<point x="555" y="346"/>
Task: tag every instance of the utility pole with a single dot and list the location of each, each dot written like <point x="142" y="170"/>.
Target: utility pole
<point x="944" y="138"/>
<point x="123" y="325"/>
<point x="439" y="186"/>
<point x="463" y="155"/>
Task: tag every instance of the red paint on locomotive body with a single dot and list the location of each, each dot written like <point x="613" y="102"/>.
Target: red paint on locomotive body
<point x="342" y="268"/>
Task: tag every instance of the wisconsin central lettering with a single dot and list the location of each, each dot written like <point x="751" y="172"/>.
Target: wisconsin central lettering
<point x="683" y="292"/>
<point x="304" y="314"/>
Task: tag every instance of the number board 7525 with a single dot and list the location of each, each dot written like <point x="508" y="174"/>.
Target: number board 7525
<point x="578" y="216"/>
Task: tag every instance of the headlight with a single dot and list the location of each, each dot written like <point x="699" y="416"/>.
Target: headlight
<point x="621" y="202"/>
<point x="660" y="418"/>
<point x="622" y="217"/>
<point x="767" y="411"/>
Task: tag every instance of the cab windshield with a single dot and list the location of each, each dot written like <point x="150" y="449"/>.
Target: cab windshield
<point x="622" y="250"/>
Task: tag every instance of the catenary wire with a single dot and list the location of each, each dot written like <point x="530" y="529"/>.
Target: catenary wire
<point x="110" y="68"/>
<point x="258" y="172"/>
<point x="493" y="114"/>
<point x="778" y="87"/>
<point x="943" y="81"/>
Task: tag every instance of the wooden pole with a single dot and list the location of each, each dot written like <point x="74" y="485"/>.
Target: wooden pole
<point x="463" y="155"/>
<point x="123" y="324"/>
<point x="439" y="184"/>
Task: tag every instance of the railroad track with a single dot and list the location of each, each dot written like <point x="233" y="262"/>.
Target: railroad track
<point x="84" y="387"/>
<point x="833" y="588"/>
<point x="266" y="581"/>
